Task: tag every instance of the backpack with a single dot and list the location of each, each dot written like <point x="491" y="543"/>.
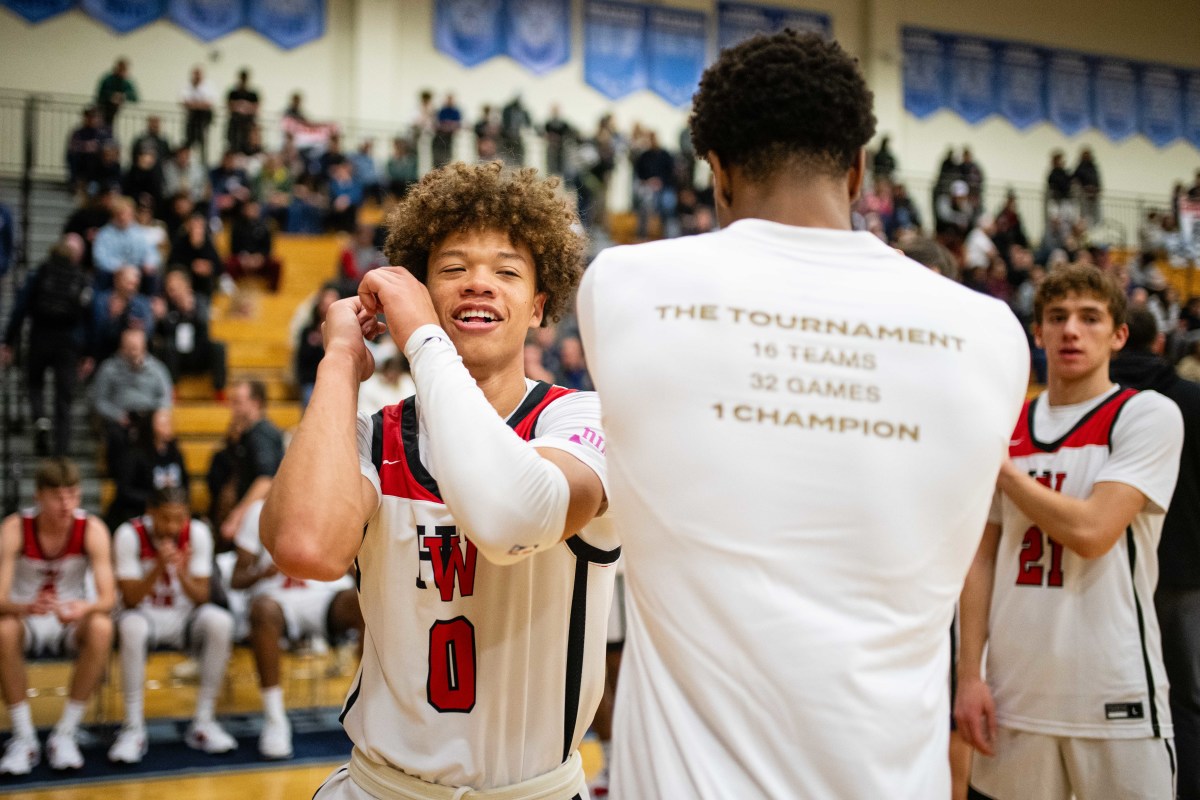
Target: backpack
<point x="61" y="292"/>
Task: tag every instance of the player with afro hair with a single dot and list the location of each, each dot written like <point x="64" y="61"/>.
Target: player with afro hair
<point x="789" y="101"/>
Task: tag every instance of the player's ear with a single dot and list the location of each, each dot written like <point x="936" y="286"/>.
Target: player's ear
<point x="722" y="186"/>
<point x="1037" y="334"/>
<point x="1120" y="336"/>
<point x="539" y="309"/>
<point x="858" y="171"/>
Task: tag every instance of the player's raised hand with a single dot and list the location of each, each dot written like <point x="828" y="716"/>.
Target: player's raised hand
<point x="71" y="611"/>
<point x="403" y="299"/>
<point x="975" y="713"/>
<point x="347" y="326"/>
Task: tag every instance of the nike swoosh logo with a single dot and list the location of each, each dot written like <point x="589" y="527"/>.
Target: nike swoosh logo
<point x="1011" y="443"/>
<point x="386" y="462"/>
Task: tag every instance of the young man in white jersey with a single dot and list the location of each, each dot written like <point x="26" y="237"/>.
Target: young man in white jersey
<point x="46" y="553"/>
<point x="795" y="415"/>
<point x="477" y="673"/>
<point x="164" y="560"/>
<point x="1073" y="700"/>
<point x="285" y="607"/>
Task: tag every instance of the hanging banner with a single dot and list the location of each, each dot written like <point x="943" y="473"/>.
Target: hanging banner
<point x="207" y="19"/>
<point x="972" y="90"/>
<point x="1191" y="107"/>
<point x="469" y="31"/>
<point x="678" y="49"/>
<point x="1116" y="96"/>
<point x="737" y="22"/>
<point x="1020" y="85"/>
<point x="537" y="33"/>
<point x="124" y="16"/>
<point x="37" y="10"/>
<point x="287" y="23"/>
<point x="1162" y="105"/>
<point x="924" y="66"/>
<point x="1069" y="93"/>
<point x="614" y="48"/>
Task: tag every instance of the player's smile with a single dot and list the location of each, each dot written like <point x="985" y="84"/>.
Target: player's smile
<point x="476" y="317"/>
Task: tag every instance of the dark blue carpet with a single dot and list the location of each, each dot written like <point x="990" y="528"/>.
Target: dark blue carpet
<point x="316" y="738"/>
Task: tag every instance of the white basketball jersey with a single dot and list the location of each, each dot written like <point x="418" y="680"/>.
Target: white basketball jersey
<point x="135" y="555"/>
<point x="248" y="539"/>
<point x="62" y="574"/>
<point x="475" y="674"/>
<point x="804" y="432"/>
<point x="1074" y="646"/>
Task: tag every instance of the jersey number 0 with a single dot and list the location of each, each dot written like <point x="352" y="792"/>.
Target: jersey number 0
<point x="451" y="681"/>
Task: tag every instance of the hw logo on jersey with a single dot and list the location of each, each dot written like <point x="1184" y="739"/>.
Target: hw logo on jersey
<point x="1031" y="571"/>
<point x="590" y="436"/>
<point x="450" y="562"/>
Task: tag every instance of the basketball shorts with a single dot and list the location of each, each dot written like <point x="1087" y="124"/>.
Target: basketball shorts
<point x="1057" y="767"/>
<point x="47" y="637"/>
<point x="305" y="611"/>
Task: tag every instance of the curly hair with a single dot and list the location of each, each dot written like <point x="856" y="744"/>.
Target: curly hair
<point x="783" y="98"/>
<point x="483" y="197"/>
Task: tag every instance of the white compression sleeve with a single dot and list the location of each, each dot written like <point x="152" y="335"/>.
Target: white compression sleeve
<point x="509" y="500"/>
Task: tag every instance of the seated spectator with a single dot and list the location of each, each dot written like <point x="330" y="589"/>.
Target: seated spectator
<point x="185" y="174"/>
<point x="176" y="210"/>
<point x="194" y="251"/>
<point x="129" y="383"/>
<point x="979" y="250"/>
<point x="88" y="219"/>
<point x="273" y="189"/>
<point x="152" y="462"/>
<point x="144" y="180"/>
<point x="56" y="300"/>
<point x="164" y="563"/>
<point x="155" y="233"/>
<point x="118" y="309"/>
<point x="930" y="254"/>
<point x="119" y="244"/>
<point x="307" y="207"/>
<point x="332" y="157"/>
<point x="401" y="167"/>
<point x="230" y="185"/>
<point x="345" y="197"/>
<point x="389" y="384"/>
<point x="182" y="337"/>
<point x="310" y="346"/>
<point x="359" y="257"/>
<point x="572" y="371"/>
<point x="151" y="140"/>
<point x="1010" y="230"/>
<point x="242" y="471"/>
<point x="109" y="173"/>
<point x="83" y="151"/>
<point x="366" y="172"/>
<point x="250" y="247"/>
<point x="905" y="214"/>
<point x="281" y="608"/>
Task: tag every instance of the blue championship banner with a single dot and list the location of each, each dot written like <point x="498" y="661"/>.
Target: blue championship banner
<point x="924" y="69"/>
<point x="614" y="48"/>
<point x="287" y="23"/>
<point x="1191" y="107"/>
<point x="537" y="33"/>
<point x="207" y="19"/>
<point x="1116" y="98"/>
<point x="1021" y="85"/>
<point x="678" y="44"/>
<point x="1162" y="105"/>
<point x="469" y="31"/>
<point x="1069" y="93"/>
<point x="737" y="22"/>
<point x="124" y="16"/>
<point x="37" y="10"/>
<point x="972" y="89"/>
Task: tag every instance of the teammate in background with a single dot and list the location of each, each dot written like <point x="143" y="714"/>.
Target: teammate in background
<point x="1062" y="587"/>
<point x="476" y="672"/>
<point x="164" y="561"/>
<point x="800" y="423"/>
<point x="45" y="555"/>
<point x="281" y="607"/>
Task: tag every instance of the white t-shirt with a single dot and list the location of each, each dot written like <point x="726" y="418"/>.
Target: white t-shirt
<point x="804" y="430"/>
<point x="1074" y="646"/>
<point x="475" y="674"/>
<point x="135" y="555"/>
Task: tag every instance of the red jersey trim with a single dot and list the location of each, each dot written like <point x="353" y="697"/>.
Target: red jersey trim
<point x="75" y="541"/>
<point x="1094" y="428"/>
<point x="148" y="549"/>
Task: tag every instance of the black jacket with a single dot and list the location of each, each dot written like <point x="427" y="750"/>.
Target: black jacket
<point x="1179" y="550"/>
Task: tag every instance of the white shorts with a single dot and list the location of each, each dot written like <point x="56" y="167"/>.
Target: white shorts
<point x="46" y="636"/>
<point x="171" y="628"/>
<point x="305" y="611"/>
<point x="616" y="614"/>
<point x="1055" y="767"/>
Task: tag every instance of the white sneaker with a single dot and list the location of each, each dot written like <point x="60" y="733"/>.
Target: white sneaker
<point x="275" y="742"/>
<point x="62" y="751"/>
<point x="210" y="737"/>
<point x="130" y="746"/>
<point x="20" y="756"/>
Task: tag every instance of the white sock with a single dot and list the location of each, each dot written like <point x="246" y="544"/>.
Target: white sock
<point x="72" y="715"/>
<point x="214" y="627"/>
<point x="273" y="704"/>
<point x="135" y="633"/>
<point x="22" y="721"/>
